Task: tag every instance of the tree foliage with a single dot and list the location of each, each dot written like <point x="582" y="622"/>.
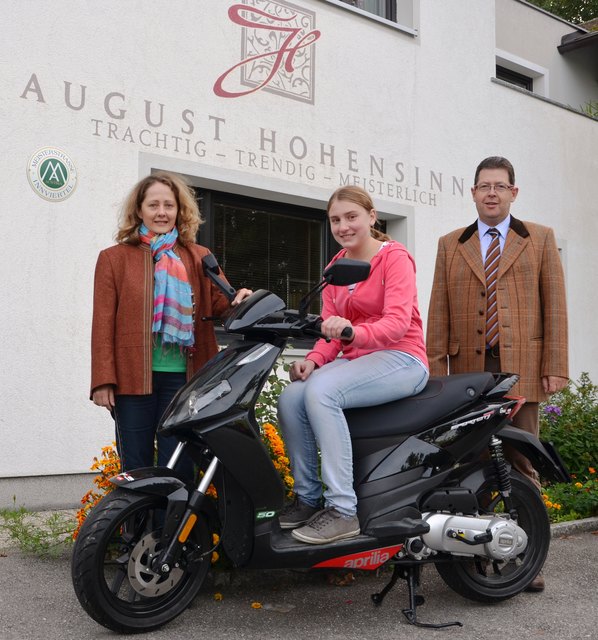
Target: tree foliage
<point x="576" y="11"/>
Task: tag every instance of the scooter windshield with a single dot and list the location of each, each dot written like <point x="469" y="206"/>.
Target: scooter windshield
<point x="259" y="305"/>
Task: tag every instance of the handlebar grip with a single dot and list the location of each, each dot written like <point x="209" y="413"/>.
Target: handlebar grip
<point x="347" y="333"/>
<point x="315" y="330"/>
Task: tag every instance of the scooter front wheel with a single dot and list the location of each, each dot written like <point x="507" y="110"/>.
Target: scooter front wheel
<point x="489" y="581"/>
<point x="111" y="564"/>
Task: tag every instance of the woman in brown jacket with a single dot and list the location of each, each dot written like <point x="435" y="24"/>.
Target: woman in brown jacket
<point x="149" y="297"/>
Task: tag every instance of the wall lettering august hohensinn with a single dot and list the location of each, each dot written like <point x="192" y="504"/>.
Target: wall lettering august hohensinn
<point x="117" y="118"/>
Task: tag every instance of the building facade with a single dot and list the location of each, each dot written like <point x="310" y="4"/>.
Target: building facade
<point x="265" y="107"/>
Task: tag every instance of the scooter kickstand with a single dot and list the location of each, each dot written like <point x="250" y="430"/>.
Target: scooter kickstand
<point x="411" y="575"/>
<point x="377" y="598"/>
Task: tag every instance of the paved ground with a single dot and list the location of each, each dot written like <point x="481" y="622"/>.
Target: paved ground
<point x="37" y="602"/>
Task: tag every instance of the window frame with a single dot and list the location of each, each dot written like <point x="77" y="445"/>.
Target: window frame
<point x="512" y="63"/>
<point x="391" y="10"/>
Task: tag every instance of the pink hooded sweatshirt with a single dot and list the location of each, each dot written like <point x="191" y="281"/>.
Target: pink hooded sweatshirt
<point x="382" y="309"/>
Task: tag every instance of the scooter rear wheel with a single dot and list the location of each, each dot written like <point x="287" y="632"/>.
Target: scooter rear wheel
<point x="492" y="581"/>
<point x="111" y="564"/>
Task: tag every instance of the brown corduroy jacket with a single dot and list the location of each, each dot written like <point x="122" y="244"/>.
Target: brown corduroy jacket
<point x="121" y="335"/>
<point x="532" y="310"/>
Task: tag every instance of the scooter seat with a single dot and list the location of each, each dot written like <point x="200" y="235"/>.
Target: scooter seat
<point x="440" y="397"/>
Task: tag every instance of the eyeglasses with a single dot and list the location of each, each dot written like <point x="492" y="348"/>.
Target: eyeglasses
<point x="500" y="187"/>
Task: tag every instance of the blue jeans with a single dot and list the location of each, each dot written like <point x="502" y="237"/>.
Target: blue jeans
<point x="311" y="416"/>
<point x="137" y="418"/>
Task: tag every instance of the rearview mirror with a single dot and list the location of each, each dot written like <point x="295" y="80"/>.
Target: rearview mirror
<point x="346" y="271"/>
<point x="210" y="263"/>
<point x="343" y="272"/>
<point x="211" y="270"/>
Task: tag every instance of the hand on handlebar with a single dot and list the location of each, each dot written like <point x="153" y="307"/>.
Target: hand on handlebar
<point x="240" y="296"/>
<point x="338" y="327"/>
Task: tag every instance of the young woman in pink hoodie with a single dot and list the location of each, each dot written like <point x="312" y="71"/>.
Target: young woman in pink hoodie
<point x="384" y="360"/>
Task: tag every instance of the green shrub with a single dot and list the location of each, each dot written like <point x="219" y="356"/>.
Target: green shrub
<point x="572" y="501"/>
<point x="570" y="422"/>
<point x="267" y="403"/>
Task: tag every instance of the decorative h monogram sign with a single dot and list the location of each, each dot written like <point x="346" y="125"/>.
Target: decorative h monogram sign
<point x="277" y="51"/>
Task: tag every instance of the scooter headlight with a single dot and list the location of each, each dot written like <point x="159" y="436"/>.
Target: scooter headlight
<point x="188" y="403"/>
<point x="198" y="399"/>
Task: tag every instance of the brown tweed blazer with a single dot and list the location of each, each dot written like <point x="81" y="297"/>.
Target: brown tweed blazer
<point x="532" y="311"/>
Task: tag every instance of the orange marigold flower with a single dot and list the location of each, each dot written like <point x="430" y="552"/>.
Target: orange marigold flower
<point x="578" y="485"/>
<point x="592" y="470"/>
<point x="217" y="597"/>
<point x="211" y="492"/>
<point x="256" y="605"/>
<point x="108" y="465"/>
<point x="275" y="447"/>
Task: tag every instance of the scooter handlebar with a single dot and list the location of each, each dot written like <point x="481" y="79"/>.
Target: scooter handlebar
<point x="346" y="333"/>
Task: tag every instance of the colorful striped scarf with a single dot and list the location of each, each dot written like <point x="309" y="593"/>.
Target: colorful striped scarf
<point x="173" y="297"/>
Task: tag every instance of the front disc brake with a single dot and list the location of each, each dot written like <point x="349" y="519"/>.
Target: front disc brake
<point x="142" y="577"/>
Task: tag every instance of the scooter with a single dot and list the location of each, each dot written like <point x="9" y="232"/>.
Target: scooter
<point x="432" y="484"/>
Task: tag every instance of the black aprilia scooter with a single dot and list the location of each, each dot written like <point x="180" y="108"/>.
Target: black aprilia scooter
<point x="426" y="493"/>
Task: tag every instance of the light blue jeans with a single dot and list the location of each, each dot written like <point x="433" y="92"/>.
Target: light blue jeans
<point x="311" y="416"/>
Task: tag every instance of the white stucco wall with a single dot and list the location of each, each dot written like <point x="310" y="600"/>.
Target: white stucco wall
<point x="423" y="106"/>
<point x="532" y="36"/>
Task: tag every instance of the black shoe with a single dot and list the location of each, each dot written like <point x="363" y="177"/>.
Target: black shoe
<point x="296" y="514"/>
<point x="537" y="585"/>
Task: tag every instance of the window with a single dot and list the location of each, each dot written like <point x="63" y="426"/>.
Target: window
<point x="383" y="8"/>
<point x="522" y="73"/>
<point x="267" y="245"/>
<point x="402" y="14"/>
<point x="518" y="79"/>
<point x="263" y="244"/>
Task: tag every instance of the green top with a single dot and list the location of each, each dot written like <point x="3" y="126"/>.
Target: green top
<point x="170" y="359"/>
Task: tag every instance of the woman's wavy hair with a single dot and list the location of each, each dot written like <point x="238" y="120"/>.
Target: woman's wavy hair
<point x="188" y="217"/>
<point x="361" y="197"/>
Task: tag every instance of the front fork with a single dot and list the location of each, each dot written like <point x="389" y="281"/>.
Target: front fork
<point x="181" y="516"/>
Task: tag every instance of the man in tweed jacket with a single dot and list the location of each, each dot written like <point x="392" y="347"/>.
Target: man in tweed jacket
<point x="531" y="304"/>
<point x="530" y="292"/>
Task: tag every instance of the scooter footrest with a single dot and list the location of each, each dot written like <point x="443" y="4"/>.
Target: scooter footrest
<point x="406" y="528"/>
